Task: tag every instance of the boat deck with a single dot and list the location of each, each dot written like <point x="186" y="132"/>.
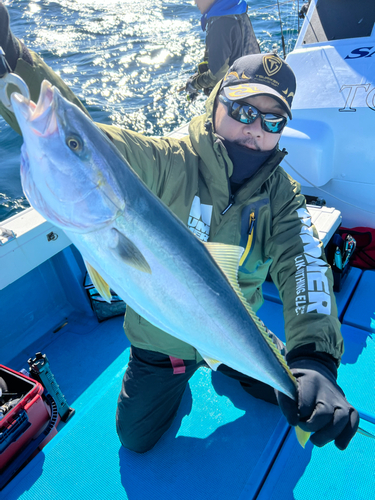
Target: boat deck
<point x="223" y="443"/>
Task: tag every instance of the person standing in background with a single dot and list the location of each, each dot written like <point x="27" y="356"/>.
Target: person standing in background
<point x="229" y="35"/>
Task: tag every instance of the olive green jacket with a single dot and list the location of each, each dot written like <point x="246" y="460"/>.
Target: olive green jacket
<point x="268" y="218"/>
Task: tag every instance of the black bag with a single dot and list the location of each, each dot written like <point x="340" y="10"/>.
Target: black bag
<point x="102" y="309"/>
<point x="364" y="254"/>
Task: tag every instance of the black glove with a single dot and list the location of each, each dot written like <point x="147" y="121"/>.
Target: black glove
<point x="322" y="407"/>
<point x="190" y="84"/>
<point x="9" y="43"/>
<point x="192" y="91"/>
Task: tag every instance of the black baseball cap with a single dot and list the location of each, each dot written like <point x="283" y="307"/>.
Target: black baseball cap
<point x="260" y="74"/>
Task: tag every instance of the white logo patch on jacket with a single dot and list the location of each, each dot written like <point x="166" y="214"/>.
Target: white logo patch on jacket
<point x="200" y="219"/>
<point x="312" y="287"/>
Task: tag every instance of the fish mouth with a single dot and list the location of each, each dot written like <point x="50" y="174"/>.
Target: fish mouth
<point x="40" y="117"/>
<point x="61" y="190"/>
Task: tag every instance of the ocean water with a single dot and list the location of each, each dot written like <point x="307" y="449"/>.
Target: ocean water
<point x="126" y="60"/>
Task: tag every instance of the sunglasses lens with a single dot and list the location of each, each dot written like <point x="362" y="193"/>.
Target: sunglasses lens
<point x="274" y="124"/>
<point x="241" y="113"/>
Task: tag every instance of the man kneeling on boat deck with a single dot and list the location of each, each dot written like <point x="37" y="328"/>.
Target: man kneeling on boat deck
<point x="224" y="181"/>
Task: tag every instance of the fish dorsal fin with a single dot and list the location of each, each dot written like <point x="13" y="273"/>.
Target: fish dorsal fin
<point x="227" y="257"/>
<point x="99" y="283"/>
<point x="125" y="250"/>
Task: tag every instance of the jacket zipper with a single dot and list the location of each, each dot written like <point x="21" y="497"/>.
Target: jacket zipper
<point x="249" y="239"/>
<point x="231" y="203"/>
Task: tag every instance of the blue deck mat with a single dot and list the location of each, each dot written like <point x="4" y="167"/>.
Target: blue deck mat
<point x="220" y="446"/>
<point x="78" y="353"/>
<point x="327" y="473"/>
<point x="323" y="473"/>
<point x="343" y="297"/>
<point x="356" y="374"/>
<point x="361" y="310"/>
<point x="357" y="370"/>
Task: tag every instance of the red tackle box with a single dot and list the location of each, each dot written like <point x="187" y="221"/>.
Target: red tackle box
<point x="26" y="421"/>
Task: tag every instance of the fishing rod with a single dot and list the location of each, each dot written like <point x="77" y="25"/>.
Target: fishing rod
<point x="172" y="93"/>
<point x="298" y="14"/>
<point x="281" y="28"/>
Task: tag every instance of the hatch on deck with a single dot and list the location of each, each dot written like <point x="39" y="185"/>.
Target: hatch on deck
<point x="340" y="19"/>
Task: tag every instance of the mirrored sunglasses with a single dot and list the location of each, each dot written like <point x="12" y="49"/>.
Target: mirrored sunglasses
<point x="247" y="113"/>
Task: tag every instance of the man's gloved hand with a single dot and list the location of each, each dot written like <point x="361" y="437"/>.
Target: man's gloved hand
<point x="191" y="90"/>
<point x="190" y="84"/>
<point x="322" y="407"/>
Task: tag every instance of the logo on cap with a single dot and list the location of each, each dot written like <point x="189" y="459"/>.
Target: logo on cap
<point x="242" y="90"/>
<point x="232" y="73"/>
<point x="291" y="94"/>
<point x="272" y="64"/>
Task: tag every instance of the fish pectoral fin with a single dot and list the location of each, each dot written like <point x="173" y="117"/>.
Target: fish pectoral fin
<point x="212" y="363"/>
<point x="99" y="283"/>
<point x="126" y="251"/>
<point x="302" y="436"/>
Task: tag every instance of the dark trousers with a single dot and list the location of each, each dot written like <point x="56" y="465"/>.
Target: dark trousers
<point x="151" y="394"/>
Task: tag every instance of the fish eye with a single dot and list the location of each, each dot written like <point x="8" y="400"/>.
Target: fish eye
<point x="74" y="143"/>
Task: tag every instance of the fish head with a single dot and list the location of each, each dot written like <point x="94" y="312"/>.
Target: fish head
<point x="65" y="163"/>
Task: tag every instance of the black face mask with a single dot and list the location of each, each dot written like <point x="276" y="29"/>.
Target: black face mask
<point x="246" y="162"/>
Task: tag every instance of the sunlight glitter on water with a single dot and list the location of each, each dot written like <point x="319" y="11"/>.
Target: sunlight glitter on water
<point x="126" y="60"/>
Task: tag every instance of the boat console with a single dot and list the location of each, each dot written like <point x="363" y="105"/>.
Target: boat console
<point x="330" y="138"/>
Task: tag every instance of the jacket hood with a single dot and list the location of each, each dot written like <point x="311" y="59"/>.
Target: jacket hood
<point x="202" y="135"/>
<point x="214" y="165"/>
